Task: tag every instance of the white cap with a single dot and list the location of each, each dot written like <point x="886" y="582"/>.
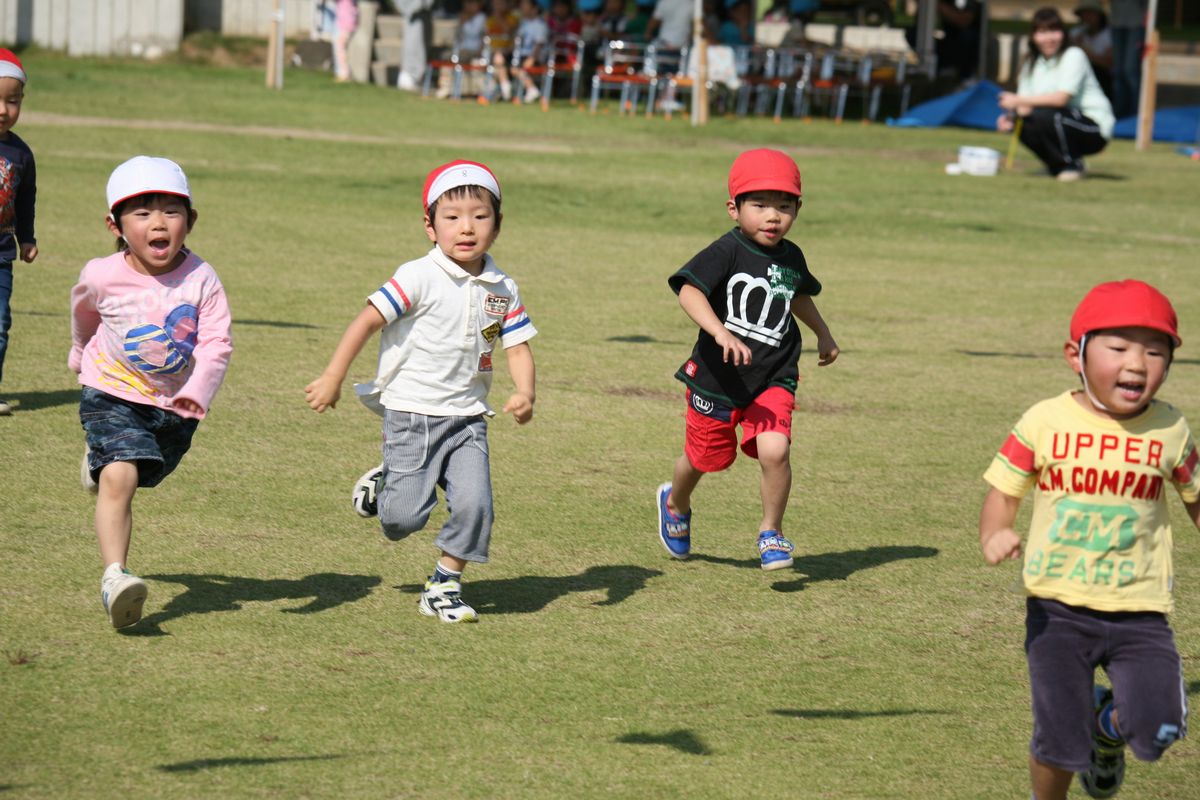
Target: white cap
<point x="146" y="175"/>
<point x="455" y="174"/>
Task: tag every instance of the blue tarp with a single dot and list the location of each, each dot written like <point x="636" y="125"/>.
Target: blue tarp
<point x="977" y="107"/>
<point x="1170" y="125"/>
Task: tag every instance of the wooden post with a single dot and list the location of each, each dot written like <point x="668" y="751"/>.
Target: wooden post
<point x="275" y="47"/>
<point x="1148" y="95"/>
<point x="700" y="53"/>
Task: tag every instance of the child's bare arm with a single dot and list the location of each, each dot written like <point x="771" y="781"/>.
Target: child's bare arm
<point x="325" y="390"/>
<point x="997" y="538"/>
<point x="524" y="375"/>
<point x="696" y="306"/>
<point x="805" y="310"/>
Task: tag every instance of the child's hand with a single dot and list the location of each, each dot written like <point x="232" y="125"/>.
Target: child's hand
<point x="190" y="406"/>
<point x="323" y="393"/>
<point x="28" y="253"/>
<point x="733" y="347"/>
<point x="1001" y="545"/>
<point x="827" y="351"/>
<point x="520" y="406"/>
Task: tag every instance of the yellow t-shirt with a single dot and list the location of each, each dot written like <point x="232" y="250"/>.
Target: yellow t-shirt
<point x="1100" y="536"/>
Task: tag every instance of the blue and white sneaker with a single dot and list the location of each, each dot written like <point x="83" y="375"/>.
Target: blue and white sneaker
<point x="365" y="497"/>
<point x="444" y="601"/>
<point x="122" y="594"/>
<point x="674" y="530"/>
<point x="774" y="550"/>
<point x="1103" y="778"/>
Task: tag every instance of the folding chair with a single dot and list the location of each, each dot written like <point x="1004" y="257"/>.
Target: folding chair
<point x="624" y="68"/>
<point x="564" y="56"/>
<point x="461" y="67"/>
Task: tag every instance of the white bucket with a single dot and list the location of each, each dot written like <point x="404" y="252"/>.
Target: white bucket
<point x="979" y="160"/>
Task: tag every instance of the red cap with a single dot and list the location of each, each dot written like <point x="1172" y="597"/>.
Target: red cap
<point x="455" y="174"/>
<point x="1125" y="304"/>
<point x="10" y="65"/>
<point x="764" y="170"/>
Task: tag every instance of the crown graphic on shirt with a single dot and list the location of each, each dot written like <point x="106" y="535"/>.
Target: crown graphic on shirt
<point x="772" y="319"/>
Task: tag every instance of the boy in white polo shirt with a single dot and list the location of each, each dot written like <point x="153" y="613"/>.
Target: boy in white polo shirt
<point x="440" y="318"/>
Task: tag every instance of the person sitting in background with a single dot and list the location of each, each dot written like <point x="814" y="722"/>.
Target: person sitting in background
<point x="738" y="28"/>
<point x="501" y="26"/>
<point x="468" y="41"/>
<point x="1064" y="114"/>
<point x="529" y="50"/>
<point x="1093" y="37"/>
<point x="562" y="22"/>
<point x="637" y="26"/>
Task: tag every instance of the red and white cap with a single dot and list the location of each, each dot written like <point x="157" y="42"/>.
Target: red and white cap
<point x="455" y="174"/>
<point x="146" y="175"/>
<point x="764" y="170"/>
<point x="1125" y="304"/>
<point x="10" y="65"/>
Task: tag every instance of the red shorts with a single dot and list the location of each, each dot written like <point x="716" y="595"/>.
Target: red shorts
<point x="711" y="441"/>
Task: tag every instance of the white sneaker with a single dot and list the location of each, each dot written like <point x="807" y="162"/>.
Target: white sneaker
<point x="444" y="601"/>
<point x="365" y="497"/>
<point x="5" y="409"/>
<point x="532" y="94"/>
<point x="123" y="594"/>
<point x="506" y="91"/>
<point x="85" y="474"/>
<point x="405" y="83"/>
<point x="1069" y="175"/>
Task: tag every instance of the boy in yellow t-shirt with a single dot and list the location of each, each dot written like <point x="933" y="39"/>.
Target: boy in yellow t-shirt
<point x="1097" y="563"/>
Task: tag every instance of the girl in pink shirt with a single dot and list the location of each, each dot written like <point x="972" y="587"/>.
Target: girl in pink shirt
<point x="150" y="330"/>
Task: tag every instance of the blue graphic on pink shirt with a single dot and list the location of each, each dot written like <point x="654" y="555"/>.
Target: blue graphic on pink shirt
<point x="167" y="349"/>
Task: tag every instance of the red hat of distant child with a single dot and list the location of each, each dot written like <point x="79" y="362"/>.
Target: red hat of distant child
<point x="455" y="174"/>
<point x="764" y="170"/>
<point x="1125" y="304"/>
<point x="10" y="65"/>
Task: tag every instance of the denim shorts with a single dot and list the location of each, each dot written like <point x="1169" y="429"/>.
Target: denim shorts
<point x="118" y="430"/>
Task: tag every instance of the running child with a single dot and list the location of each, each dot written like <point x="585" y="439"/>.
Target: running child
<point x="18" y="194"/>
<point x="150" y="330"/>
<point x="1097" y="560"/>
<point x="432" y="383"/>
<point x="743" y="291"/>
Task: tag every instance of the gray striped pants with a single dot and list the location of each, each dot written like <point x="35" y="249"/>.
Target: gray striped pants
<point x="421" y="453"/>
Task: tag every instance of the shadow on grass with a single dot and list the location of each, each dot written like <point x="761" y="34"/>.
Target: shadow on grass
<point x="529" y="594"/>
<point x="209" y="593"/>
<point x="33" y="401"/>
<point x="682" y="740"/>
<point x="638" y="339"/>
<point x="829" y="566"/>
<point x="1193" y="687"/>
<point x="848" y="713"/>
<point x="997" y="354"/>
<point x="234" y="761"/>
<point x="270" y="323"/>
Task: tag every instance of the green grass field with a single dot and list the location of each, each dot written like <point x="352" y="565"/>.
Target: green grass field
<point x="282" y="654"/>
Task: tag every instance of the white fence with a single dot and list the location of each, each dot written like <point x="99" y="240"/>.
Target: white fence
<point x="94" y="27"/>
<point x="248" y="17"/>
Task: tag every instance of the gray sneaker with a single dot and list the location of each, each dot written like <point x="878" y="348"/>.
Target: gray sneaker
<point x="123" y="594"/>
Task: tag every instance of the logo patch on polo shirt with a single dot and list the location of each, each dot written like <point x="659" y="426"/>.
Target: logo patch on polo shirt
<point x="491" y="332"/>
<point x="495" y="305"/>
<point x="485" y="362"/>
<point x="690" y="369"/>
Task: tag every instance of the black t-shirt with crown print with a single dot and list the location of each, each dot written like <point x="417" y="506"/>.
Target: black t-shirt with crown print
<point x="750" y="288"/>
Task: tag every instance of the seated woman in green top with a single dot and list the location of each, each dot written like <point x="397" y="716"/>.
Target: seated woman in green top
<point x="1065" y="115"/>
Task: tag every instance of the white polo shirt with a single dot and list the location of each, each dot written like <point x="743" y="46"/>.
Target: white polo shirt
<point x="435" y="352"/>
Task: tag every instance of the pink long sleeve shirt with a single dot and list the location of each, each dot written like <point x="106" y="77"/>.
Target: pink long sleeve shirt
<point x="151" y="339"/>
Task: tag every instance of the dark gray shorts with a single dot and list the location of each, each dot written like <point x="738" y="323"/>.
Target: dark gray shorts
<point x="118" y="430"/>
<point x="1064" y="645"/>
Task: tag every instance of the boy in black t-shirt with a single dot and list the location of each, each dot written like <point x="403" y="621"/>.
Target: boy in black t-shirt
<point x="743" y="290"/>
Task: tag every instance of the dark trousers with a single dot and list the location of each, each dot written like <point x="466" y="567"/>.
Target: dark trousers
<point x="1061" y="137"/>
